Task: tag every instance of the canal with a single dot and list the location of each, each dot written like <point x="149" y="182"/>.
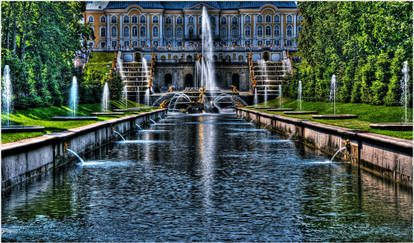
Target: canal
<point x="207" y="177"/>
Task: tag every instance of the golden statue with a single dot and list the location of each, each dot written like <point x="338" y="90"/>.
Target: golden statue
<point x="200" y="97"/>
<point x="199" y="58"/>
<point x="235" y="91"/>
<point x="170" y="89"/>
<point x="150" y="82"/>
<point x="254" y="83"/>
<point x="163" y="105"/>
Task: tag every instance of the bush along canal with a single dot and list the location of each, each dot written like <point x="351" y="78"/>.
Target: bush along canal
<point x="206" y="177"/>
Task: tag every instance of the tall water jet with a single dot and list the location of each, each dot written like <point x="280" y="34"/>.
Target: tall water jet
<point x="125" y="96"/>
<point x="7" y="94"/>
<point x="105" y="98"/>
<point x="300" y="95"/>
<point x="404" y="89"/>
<point x="197" y="72"/>
<point x="208" y="80"/>
<point x="120" y="65"/>
<point x="332" y="92"/>
<point x="263" y="69"/>
<point x="147" y="78"/>
<point x="147" y="97"/>
<point x="280" y="95"/>
<point x="255" y="100"/>
<point x="73" y="98"/>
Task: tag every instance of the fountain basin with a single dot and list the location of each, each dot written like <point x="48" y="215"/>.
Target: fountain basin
<point x="334" y="117"/>
<point x="20" y="128"/>
<point x="73" y="118"/>
<point x="131" y="109"/>
<point x="106" y="113"/>
<point x="394" y="126"/>
<point x="300" y="112"/>
<point x="281" y="109"/>
<point x="259" y="107"/>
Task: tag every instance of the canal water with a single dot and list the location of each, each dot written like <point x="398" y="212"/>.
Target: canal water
<point x="207" y="177"/>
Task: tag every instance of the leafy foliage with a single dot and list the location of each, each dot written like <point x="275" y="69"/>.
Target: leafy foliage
<point x="38" y="42"/>
<point x="363" y="43"/>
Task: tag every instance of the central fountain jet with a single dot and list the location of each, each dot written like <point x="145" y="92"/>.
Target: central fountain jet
<point x="208" y="79"/>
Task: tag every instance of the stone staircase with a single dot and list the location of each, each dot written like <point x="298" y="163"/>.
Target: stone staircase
<point x="269" y="78"/>
<point x="135" y="79"/>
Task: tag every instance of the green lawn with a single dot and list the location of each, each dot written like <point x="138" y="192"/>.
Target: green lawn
<point x="41" y="117"/>
<point x="367" y="114"/>
<point x="100" y="62"/>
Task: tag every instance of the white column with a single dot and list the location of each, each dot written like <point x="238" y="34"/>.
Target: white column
<point x="294" y="30"/>
<point x="281" y="31"/>
<point x="241" y="29"/>
<point x="108" y="33"/>
<point x="185" y="19"/>
<point x="148" y="29"/>
<point x="161" y="25"/>
<point x="254" y="28"/>
<point x="173" y="30"/>
<point x="121" y="31"/>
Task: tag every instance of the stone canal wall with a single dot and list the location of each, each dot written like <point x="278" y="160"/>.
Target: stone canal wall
<point x="24" y="159"/>
<point x="386" y="156"/>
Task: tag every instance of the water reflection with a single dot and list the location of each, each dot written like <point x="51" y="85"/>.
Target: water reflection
<point x="207" y="179"/>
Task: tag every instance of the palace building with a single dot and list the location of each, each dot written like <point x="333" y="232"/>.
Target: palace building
<point x="170" y="33"/>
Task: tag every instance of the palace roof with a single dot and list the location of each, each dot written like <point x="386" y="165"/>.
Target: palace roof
<point x="224" y="5"/>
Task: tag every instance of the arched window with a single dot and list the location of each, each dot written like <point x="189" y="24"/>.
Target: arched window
<point x="259" y="19"/>
<point x="142" y="31"/>
<point x="234" y="20"/>
<point x="223" y="20"/>
<point x="212" y="20"/>
<point x="155" y="19"/>
<point x="126" y="19"/>
<point x="277" y="18"/>
<point x="134" y="19"/>
<point x="142" y="20"/>
<point x="268" y="18"/>
<point x="191" y="32"/>
<point x="134" y="31"/>
<point x="268" y="31"/>
<point x="299" y="28"/>
<point x="289" y="18"/>
<point x="102" y="44"/>
<point x="113" y="31"/>
<point x="126" y="31"/>
<point x="247" y="19"/>
<point x="260" y="31"/>
<point x="168" y="20"/>
<point x="199" y="20"/>
<point x="103" y="31"/>
<point x="191" y="20"/>
<point x="199" y="31"/>
<point x="247" y="31"/>
<point x="155" y="31"/>
<point x="168" y="32"/>
<point x="223" y="32"/>
<point x="179" y="32"/>
<point x="289" y="30"/>
<point x="234" y="32"/>
<point x="113" y="19"/>
<point x="179" y="20"/>
<point x="103" y="19"/>
<point x="90" y="19"/>
<point x="277" y="30"/>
